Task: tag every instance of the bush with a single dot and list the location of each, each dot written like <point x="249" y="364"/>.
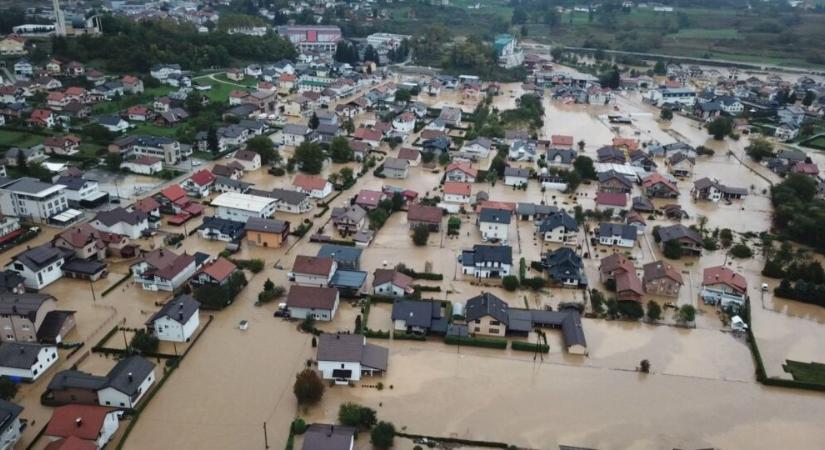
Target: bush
<point x="8" y="388"/>
<point x="477" y="342"/>
<point x="419" y="275"/>
<point x="308" y="325"/>
<point x="631" y="310"/>
<point x="267" y="295"/>
<point x="299" y="426"/>
<point x="673" y="249"/>
<point x="252" y="265"/>
<point x="530" y="347"/>
<point x="687" y="313"/>
<point x="308" y="388"/>
<point x="144" y="342"/>
<point x="741" y="251"/>
<point x="654" y="311"/>
<point x="534" y="283"/>
<point x="421" y="233"/>
<point x="510" y="282"/>
<point x="353" y="415"/>
<point x="383" y="435"/>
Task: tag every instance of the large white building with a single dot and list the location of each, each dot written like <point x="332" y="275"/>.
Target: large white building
<point x="507" y="51"/>
<point x="176" y="321"/>
<point x="31" y="198"/>
<point x="316" y="39"/>
<point x="239" y="207"/>
<point x="682" y="96"/>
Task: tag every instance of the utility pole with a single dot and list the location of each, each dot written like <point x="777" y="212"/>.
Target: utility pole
<point x="266" y="439"/>
<point x="92" y="288"/>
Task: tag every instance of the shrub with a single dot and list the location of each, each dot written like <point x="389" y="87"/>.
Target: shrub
<point x="421" y="233"/>
<point x="308" y="387"/>
<point x="476" y="342"/>
<point x="252" y="265"/>
<point x="534" y="283"/>
<point x="631" y="310"/>
<point x="383" y="435"/>
<point x="673" y="249"/>
<point x="267" y="295"/>
<point x="510" y="282"/>
<point x="308" y="325"/>
<point x="654" y="311"/>
<point x="741" y="251"/>
<point x="144" y="342"/>
<point x="687" y="313"/>
<point x="530" y="347"/>
<point x="299" y="426"/>
<point x="8" y="388"/>
<point x="353" y="415"/>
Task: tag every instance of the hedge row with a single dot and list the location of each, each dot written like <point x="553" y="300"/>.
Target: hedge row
<point x="401" y="336"/>
<point x="530" y="347"/>
<point x="378" y="334"/>
<point x="422" y="288"/>
<point x="468" y="442"/>
<point x="476" y="342"/>
<point x="422" y="275"/>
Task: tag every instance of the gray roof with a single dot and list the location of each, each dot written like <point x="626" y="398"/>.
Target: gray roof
<point x="569" y="320"/>
<point x="486" y="304"/>
<point x="224" y="226"/>
<point x="72" y="183"/>
<point x="610" y="174"/>
<point x="121" y="215"/>
<point x="566" y="155"/>
<point x="396" y="163"/>
<point x="296" y="129"/>
<point x="678" y="231"/>
<point x="495" y="215"/>
<point x="19" y="355"/>
<point x="348" y="279"/>
<point x="75" y="379"/>
<point x="516" y="172"/>
<point x="351" y="348"/>
<point x="618" y="229"/>
<point x="328" y="437"/>
<point x="266" y="225"/>
<point x="487" y="253"/>
<point x="179" y="309"/>
<point x="282" y="195"/>
<point x="27" y="185"/>
<point x="128" y="374"/>
<point x="9" y="412"/>
<point x="564" y="263"/>
<point x="529" y="209"/>
<point x="416" y="313"/>
<point x="342" y="254"/>
<point x="236" y="184"/>
<point x="39" y="257"/>
<point x="22" y="304"/>
<point x="557" y="219"/>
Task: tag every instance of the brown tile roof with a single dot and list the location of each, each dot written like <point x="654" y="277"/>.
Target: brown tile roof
<point x="312" y="265"/>
<point x="64" y="421"/>
<point x="660" y="269"/>
<point x="389" y="275"/>
<point x="309" y="182"/>
<point x="311" y="297"/>
<point x="457" y="188"/>
<point x="422" y="213"/>
<point x="220" y="269"/>
<point x="721" y="274"/>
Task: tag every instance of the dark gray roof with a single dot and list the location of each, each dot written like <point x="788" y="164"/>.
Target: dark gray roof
<point x="678" y="231"/>
<point x="564" y="263"/>
<point x="19" y="355"/>
<point x="342" y="254"/>
<point x="566" y="155"/>
<point x="487" y="253"/>
<point x="516" y="172"/>
<point x="351" y="348"/>
<point x="27" y="185"/>
<point x="557" y="219"/>
<point x="128" y="374"/>
<point x="569" y="320"/>
<point x="328" y="437"/>
<point x="486" y="304"/>
<point x="495" y="215"/>
<point x="529" y="209"/>
<point x="121" y="214"/>
<point x="179" y="309"/>
<point x="39" y="257"/>
<point x="282" y="195"/>
<point x="9" y="412"/>
<point x="296" y="129"/>
<point x="235" y="184"/>
<point x="618" y="229"/>
<point x="416" y="313"/>
<point x="72" y="183"/>
<point x="75" y="379"/>
<point x="610" y="174"/>
<point x="519" y="320"/>
<point x="642" y="204"/>
<point x="395" y="163"/>
<point x="228" y="227"/>
<point x="52" y="325"/>
<point x="22" y="304"/>
<point x="266" y="225"/>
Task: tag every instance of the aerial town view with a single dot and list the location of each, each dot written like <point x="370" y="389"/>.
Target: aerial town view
<point x="410" y="224"/>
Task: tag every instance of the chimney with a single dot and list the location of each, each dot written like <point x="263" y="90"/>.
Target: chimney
<point x="130" y="377"/>
<point x="79" y="422"/>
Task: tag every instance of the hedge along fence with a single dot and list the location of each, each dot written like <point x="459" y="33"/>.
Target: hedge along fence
<point x="450" y="440"/>
<point x="114" y="286"/>
<point x="500" y="344"/>
<point x="402" y="336"/>
<point x="422" y="275"/>
<point x="530" y="347"/>
<point x="378" y="334"/>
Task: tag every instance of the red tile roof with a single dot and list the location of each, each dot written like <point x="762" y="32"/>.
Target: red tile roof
<point x="71" y="443"/>
<point x="463" y="167"/>
<point x="721" y="274"/>
<point x="630" y="143"/>
<point x="64" y="421"/>
<point x="455" y="188"/>
<point x="174" y="192"/>
<point x="315" y="265"/>
<point x="309" y="182"/>
<point x="220" y="269"/>
<point x="203" y="177"/>
<point x="611" y="199"/>
<point x="657" y="178"/>
<point x="422" y="213"/>
<point x="146" y="205"/>
<point x="561" y="140"/>
<point x="369" y="198"/>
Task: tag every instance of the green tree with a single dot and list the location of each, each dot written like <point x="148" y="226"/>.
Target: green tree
<point x="687" y="314"/>
<point x="759" y="149"/>
<point x="339" y="150"/>
<point x="144" y="342"/>
<point x="583" y="165"/>
<point x="612" y="307"/>
<point x="383" y="435"/>
<point x="660" y="68"/>
<point x="596" y="301"/>
<point x="741" y="251"/>
<point x="113" y="161"/>
<point x="510" y="282"/>
<point x="353" y="415"/>
<point x="403" y="95"/>
<point x="666" y="114"/>
<point x="264" y="147"/>
<point x="421" y="233"/>
<point x="377" y="217"/>
<point x="308" y="387"/>
<point x="212" y="142"/>
<point x="8" y="388"/>
<point x="809" y="98"/>
<point x="672" y="249"/>
<point x="631" y="309"/>
<point x="313" y="121"/>
<point x="654" y="311"/>
<point x="310" y="157"/>
<point x="98" y="134"/>
<point x="611" y="78"/>
<point x="720" y="127"/>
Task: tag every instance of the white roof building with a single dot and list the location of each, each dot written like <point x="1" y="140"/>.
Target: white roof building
<point x="239" y="207"/>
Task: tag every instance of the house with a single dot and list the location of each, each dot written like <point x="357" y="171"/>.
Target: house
<point x="561" y="141"/>
<point x="516" y="176"/>
<point x="487" y="261"/>
<point x="137" y="145"/>
<point x="163" y="270"/>
<point x="9" y="229"/>
<point x="348" y="357"/>
<point x="287" y="201"/>
<point x="240" y="207"/>
<point x="690" y="240"/>
<point x="148" y="206"/>
<point x="217" y="272"/>
<point x="560" y="157"/>
<point x="233" y="171"/>
<point x="791" y="115"/>
<point x="122" y="221"/>
<point x="23" y="67"/>
<point x="292" y="134"/>
<point x="143" y="165"/>
<point x="266" y="232"/>
<point x="610" y="200"/>
<point x="418" y="317"/>
<point x="87" y="425"/>
<point x="625" y="144"/>
<point x="217" y="229"/>
<point x="612" y="265"/>
<point x="511" y="136"/>
<point x="629" y="287"/>
<point x="113" y="123"/>
<point x="487" y="315"/>
<point x="64" y="145"/>
<point x="82" y="191"/>
<point x="494" y="224"/>
<point x="660" y="278"/>
<point x="32" y="317"/>
<point x="713" y="190"/>
<point x="533" y="211"/>
<point x="13" y="45"/>
<point x="313" y="270"/>
<point x="10" y="424"/>
<point x="369" y="199"/>
<point x="199" y="184"/>
<point x="132" y="84"/>
<point x="611" y="155"/>
<point x="395" y="168"/>
<point x="451" y="116"/>
<point x="346" y="257"/>
<point x="39" y="266"/>
<point x="559" y="227"/>
<point x="329" y="437"/>
<point x="478" y="148"/>
<point x="349" y="220"/>
<point x="523" y="150"/>
<point x="88" y="243"/>
<point x="320" y="303"/>
<point x="392" y="283"/>
<point x="722" y="286"/>
<point x="436" y="146"/>
<point x="26" y="361"/>
<point x="455" y="192"/>
<point x="635" y="220"/>
<point x="127" y="383"/>
<point x="33" y="154"/>
<point x="460" y="172"/>
<point x="614" y="182"/>
<point x="31" y="198"/>
<point x="641" y="159"/>
<point x="226" y="184"/>
<point x="565" y="268"/>
<point x="176" y="321"/>
<point x="314" y="186"/>
<point x="430" y="216"/>
<point x="41" y="118"/>
<point x="681" y="165"/>
<point x="657" y="186"/>
<point x="618" y="234"/>
<point x="404" y="122"/>
<point x="807" y="169"/>
<point x="248" y="159"/>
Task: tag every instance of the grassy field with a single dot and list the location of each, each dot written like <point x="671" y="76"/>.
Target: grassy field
<point x="808" y="372"/>
<point x="817" y="143"/>
<point x="126" y="101"/>
<point x="9" y="138"/>
<point x="154" y="130"/>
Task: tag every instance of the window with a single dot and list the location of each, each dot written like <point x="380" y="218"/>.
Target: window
<point x="495" y="323"/>
<point x="493" y="330"/>
<point x="477" y="329"/>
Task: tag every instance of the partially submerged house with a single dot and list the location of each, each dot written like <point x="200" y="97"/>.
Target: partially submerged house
<point x="348" y="357"/>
